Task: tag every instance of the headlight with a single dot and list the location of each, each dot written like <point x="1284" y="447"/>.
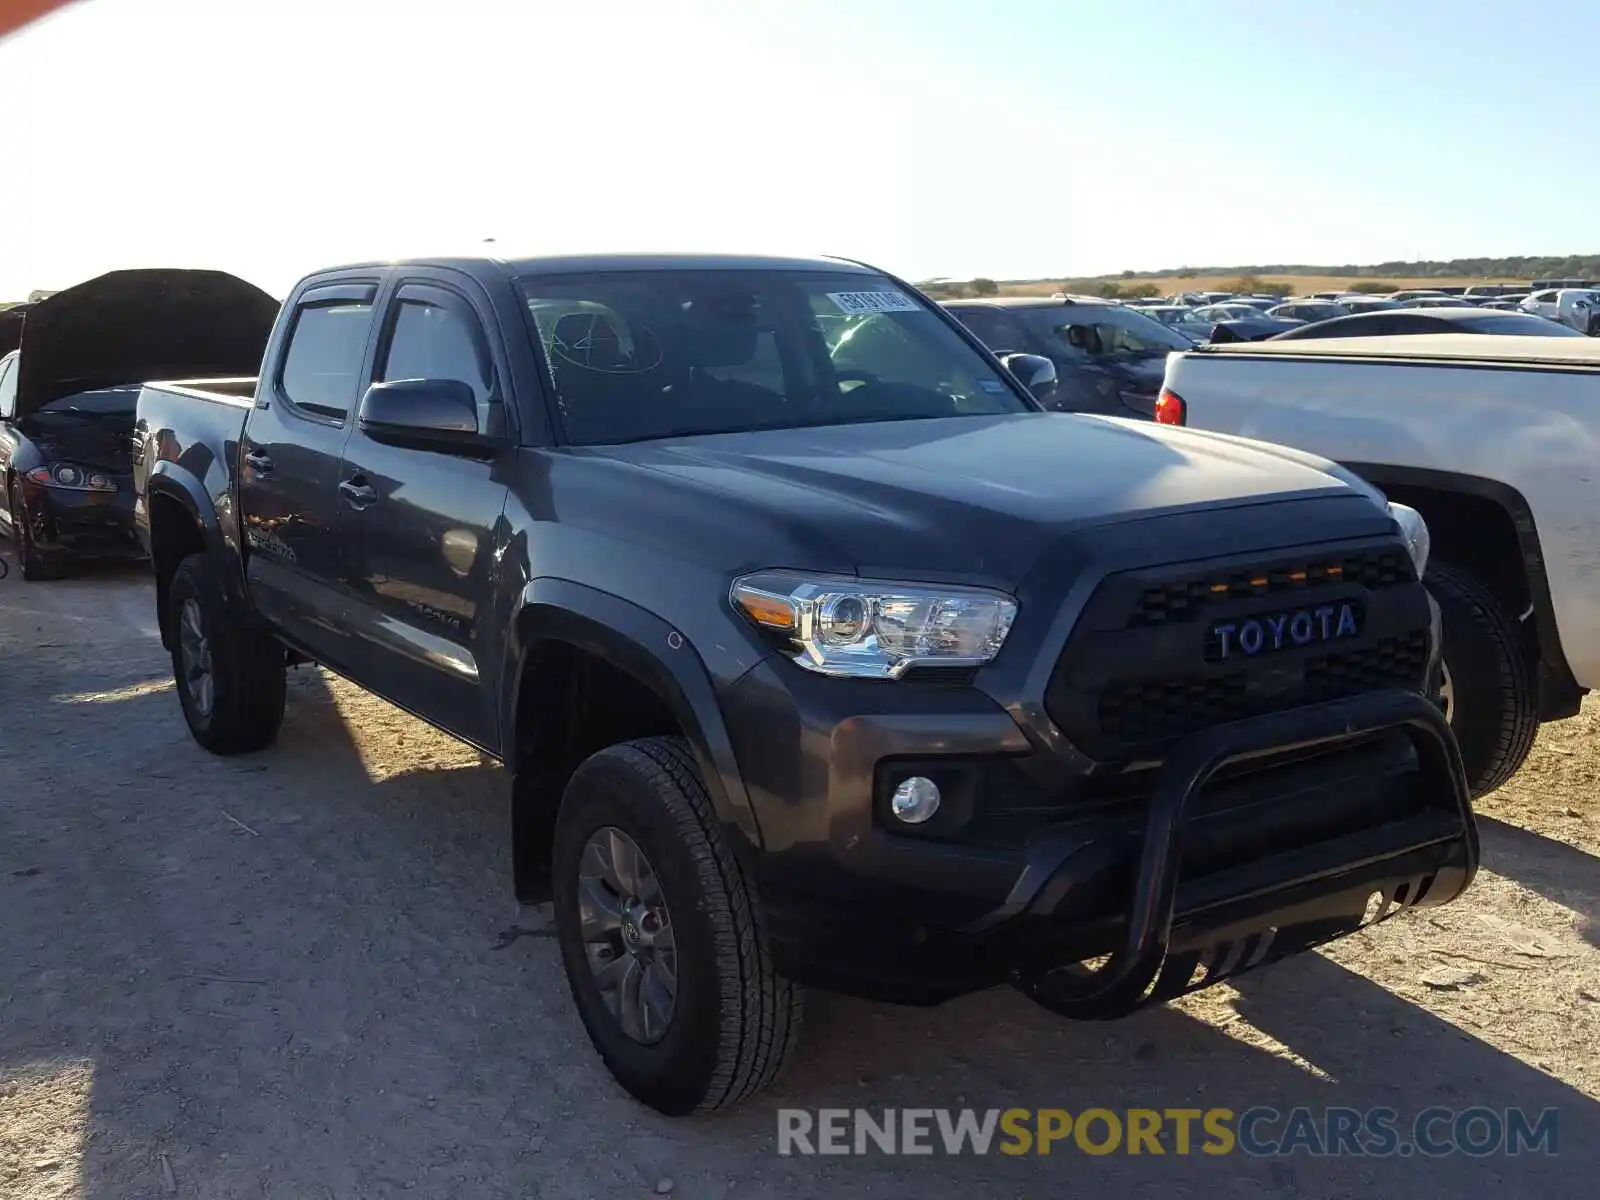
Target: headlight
<point x="72" y="478"/>
<point x="1415" y="531"/>
<point x="867" y="629"/>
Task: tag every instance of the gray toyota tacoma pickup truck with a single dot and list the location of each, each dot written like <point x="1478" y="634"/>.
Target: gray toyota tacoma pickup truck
<point x="819" y="654"/>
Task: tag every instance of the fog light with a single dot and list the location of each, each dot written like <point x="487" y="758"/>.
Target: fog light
<point x="915" y="800"/>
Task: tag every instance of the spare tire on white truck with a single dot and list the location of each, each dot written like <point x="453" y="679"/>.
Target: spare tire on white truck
<point x="1494" y="440"/>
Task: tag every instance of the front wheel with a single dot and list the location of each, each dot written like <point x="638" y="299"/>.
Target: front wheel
<point x="230" y="676"/>
<point x="1490" y="678"/>
<point x="35" y="566"/>
<point x="661" y="935"/>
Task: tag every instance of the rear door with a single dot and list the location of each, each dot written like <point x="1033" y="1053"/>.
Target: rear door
<point x="423" y="523"/>
<point x="289" y="468"/>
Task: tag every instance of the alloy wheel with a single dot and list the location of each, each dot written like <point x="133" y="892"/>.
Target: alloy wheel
<point x="627" y="934"/>
<point x="194" y="652"/>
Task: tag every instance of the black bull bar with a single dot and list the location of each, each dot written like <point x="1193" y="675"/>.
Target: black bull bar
<point x="1216" y="927"/>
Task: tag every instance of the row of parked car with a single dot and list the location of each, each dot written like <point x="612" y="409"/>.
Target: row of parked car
<point x="1217" y="317"/>
<point x="818" y="649"/>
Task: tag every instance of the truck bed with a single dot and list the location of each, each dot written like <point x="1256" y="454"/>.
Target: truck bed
<point x="186" y="437"/>
<point x="1497" y="349"/>
<point x="234" y="390"/>
<point x="1508" y="416"/>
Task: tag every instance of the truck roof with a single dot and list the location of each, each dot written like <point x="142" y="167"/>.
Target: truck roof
<point x="640" y="261"/>
<point x="1464" y="347"/>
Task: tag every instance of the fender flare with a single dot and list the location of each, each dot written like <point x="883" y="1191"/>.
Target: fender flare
<point x="1516" y="507"/>
<point x="638" y="642"/>
<point x="173" y="482"/>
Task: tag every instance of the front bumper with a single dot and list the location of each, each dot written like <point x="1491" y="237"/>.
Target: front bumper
<point x="1180" y="935"/>
<point x="1112" y="787"/>
<point x="1251" y="841"/>
<point x="75" y="524"/>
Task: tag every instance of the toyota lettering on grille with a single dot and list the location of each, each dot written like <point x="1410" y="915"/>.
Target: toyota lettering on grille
<point x="1268" y="633"/>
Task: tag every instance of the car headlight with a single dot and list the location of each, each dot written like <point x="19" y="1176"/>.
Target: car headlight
<point x="71" y="477"/>
<point x="870" y="629"/>
<point x="1415" y="531"/>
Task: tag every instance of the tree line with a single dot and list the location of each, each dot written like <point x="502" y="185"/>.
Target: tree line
<point x="1250" y="279"/>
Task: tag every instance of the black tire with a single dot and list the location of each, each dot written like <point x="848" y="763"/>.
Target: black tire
<point x="735" y="1021"/>
<point x="247" y="666"/>
<point x="35" y="566"/>
<point x="1493" y="674"/>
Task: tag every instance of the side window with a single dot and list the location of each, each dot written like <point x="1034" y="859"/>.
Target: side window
<point x="324" y="357"/>
<point x="992" y="327"/>
<point x="438" y="341"/>
<point x="8" y="388"/>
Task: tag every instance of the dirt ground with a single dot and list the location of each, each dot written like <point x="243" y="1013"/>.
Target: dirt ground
<point x="300" y="974"/>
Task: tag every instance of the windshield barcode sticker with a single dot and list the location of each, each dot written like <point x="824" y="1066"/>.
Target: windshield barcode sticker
<point x="873" y="302"/>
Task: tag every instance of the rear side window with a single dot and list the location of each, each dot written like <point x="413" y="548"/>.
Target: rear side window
<point x="323" y="360"/>
<point x="992" y="328"/>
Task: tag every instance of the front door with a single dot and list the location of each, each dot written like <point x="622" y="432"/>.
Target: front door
<point x="289" y="470"/>
<point x="424" y="525"/>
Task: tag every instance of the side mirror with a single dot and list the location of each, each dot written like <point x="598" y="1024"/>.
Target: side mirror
<point x="424" y="414"/>
<point x="1034" y="372"/>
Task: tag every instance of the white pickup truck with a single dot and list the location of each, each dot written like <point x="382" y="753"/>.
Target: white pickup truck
<point x="1496" y="440"/>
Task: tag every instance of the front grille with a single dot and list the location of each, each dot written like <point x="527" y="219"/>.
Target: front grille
<point x="1185" y="599"/>
<point x="1141" y="669"/>
<point x="1169" y="708"/>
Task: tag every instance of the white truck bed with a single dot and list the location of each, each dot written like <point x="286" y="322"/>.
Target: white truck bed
<point x="1502" y="415"/>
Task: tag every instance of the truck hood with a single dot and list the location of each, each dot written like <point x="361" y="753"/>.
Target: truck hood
<point x="973" y="497"/>
<point x="133" y="326"/>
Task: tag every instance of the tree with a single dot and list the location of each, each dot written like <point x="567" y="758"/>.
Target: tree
<point x="984" y="287"/>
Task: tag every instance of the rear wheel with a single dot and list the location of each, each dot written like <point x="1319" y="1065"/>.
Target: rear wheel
<point x="1489" y="688"/>
<point x="35" y="565"/>
<point x="661" y="936"/>
<point x="230" y="677"/>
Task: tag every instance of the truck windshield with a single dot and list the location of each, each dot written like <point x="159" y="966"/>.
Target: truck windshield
<point x="634" y="355"/>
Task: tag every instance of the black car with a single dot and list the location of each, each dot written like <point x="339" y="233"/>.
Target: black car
<point x="1367" y="304"/>
<point x="1432" y="320"/>
<point x="1108" y="358"/>
<point x="67" y="398"/>
<point x="1251" y="329"/>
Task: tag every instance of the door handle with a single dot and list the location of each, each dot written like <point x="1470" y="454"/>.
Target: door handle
<point x="358" y="495"/>
<point x="257" y="462"/>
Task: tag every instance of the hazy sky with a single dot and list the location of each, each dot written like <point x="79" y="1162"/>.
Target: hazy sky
<point x="1012" y="138"/>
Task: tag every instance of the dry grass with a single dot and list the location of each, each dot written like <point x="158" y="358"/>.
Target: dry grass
<point x="1296" y="285"/>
